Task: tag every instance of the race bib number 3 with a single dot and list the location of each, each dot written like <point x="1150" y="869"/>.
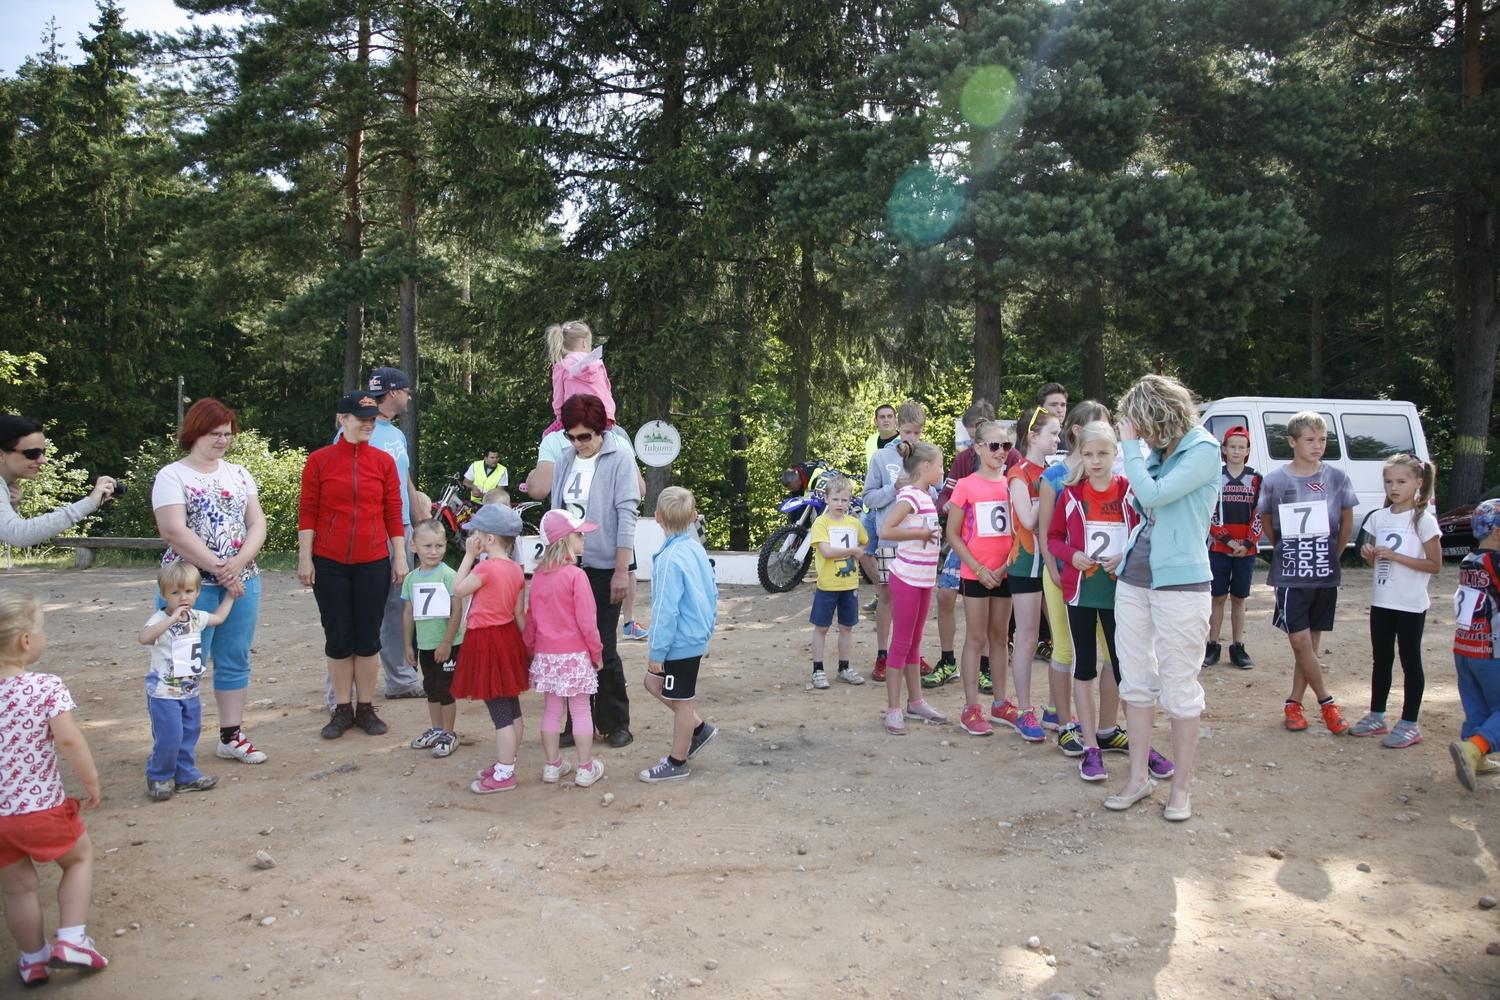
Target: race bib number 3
<point x="1307" y="519"/>
<point x="992" y="518"/>
<point x="430" y="600"/>
<point x="1105" y="539"/>
<point x="187" y="656"/>
<point x="1466" y="603"/>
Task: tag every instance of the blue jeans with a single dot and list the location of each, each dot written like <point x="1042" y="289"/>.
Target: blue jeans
<point x="175" y="725"/>
<point x="228" y="645"/>
<point x="1479" y="691"/>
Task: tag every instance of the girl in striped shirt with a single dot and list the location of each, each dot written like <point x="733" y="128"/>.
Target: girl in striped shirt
<point x="912" y="524"/>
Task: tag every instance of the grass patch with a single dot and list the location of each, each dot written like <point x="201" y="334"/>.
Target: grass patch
<point x="49" y="557"/>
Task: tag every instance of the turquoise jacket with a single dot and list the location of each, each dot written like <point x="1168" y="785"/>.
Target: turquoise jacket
<point x="684" y="600"/>
<point x="1182" y="490"/>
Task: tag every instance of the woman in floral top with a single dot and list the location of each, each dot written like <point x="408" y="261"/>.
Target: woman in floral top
<point x="208" y="511"/>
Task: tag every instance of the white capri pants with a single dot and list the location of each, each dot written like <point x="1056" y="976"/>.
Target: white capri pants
<point x="1159" y="636"/>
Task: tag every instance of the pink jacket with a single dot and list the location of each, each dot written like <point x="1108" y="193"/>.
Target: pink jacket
<point x="582" y="373"/>
<point x="1067" y="530"/>
<point x="561" y="616"/>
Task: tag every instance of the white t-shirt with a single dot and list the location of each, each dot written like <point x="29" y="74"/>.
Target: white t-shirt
<point x="176" y="658"/>
<point x="552" y="445"/>
<point x="575" y="492"/>
<point x="29" y="781"/>
<point x="1398" y="587"/>
<point x="215" y="503"/>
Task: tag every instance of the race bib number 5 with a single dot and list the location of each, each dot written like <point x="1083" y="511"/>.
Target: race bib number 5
<point x="187" y="656"/>
<point x="992" y="518"/>
<point x="1308" y="519"/>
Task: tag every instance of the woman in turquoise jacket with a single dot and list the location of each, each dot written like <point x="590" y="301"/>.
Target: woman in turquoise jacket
<point x="1162" y="600"/>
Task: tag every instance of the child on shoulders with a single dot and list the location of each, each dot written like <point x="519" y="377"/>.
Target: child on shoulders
<point x="436" y="617"/>
<point x="577" y="368"/>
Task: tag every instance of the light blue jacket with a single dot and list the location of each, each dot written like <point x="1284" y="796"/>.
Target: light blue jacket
<point x="1183" y="490"/>
<point x="684" y="600"/>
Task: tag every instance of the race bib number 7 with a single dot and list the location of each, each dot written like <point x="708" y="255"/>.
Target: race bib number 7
<point x="1308" y="519"/>
<point x="187" y="656"/>
<point x="429" y="601"/>
<point x="992" y="518"/>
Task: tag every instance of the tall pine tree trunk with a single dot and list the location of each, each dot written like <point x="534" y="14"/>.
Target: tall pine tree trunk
<point x="739" y="468"/>
<point x="1477" y="330"/>
<point x="409" y="424"/>
<point x="354" y="223"/>
<point x="989" y="341"/>
<point x="802" y="351"/>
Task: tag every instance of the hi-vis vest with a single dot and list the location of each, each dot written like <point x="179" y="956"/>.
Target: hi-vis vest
<point x="485" y="481"/>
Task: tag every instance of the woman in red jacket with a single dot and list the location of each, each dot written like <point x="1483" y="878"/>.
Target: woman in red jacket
<point x="348" y="526"/>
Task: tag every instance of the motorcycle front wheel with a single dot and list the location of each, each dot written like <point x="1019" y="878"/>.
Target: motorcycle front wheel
<point x="778" y="567"/>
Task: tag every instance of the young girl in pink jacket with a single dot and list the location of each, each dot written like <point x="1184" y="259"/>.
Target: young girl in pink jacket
<point x="562" y="634"/>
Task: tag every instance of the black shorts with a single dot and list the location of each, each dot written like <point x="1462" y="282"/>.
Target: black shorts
<point x="1232" y="574"/>
<point x="973" y="588"/>
<point x="351" y="601"/>
<point x="437" y="678"/>
<point x="679" y="678"/>
<point x="1299" y="609"/>
<point x="1024" y="584"/>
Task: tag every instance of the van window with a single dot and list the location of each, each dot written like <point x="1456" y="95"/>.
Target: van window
<point x="1219" y="424"/>
<point x="1276" y="437"/>
<point x="1376" y="437"/>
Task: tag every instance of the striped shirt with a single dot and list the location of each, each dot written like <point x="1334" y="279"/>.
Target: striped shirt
<point x="916" y="562"/>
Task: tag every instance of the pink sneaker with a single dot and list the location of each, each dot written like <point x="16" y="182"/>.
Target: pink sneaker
<point x="1007" y="713"/>
<point x="80" y="956"/>
<point x="925" y="712"/>
<point x="36" y="973"/>
<point x="973" y="722"/>
<point x="489" y="783"/>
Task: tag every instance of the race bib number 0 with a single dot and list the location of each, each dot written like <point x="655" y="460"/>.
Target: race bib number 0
<point x="1105" y="539"/>
<point x="429" y="601"/>
<point x="1466" y="603"/>
<point x="992" y="518"/>
<point x="187" y="656"/>
<point x="843" y="538"/>
<point x="1308" y="519"/>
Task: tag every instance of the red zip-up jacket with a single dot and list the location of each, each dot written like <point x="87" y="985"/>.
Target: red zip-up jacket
<point x="351" y="498"/>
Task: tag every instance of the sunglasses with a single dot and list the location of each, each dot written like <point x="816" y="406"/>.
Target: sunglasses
<point x="579" y="438"/>
<point x="993" y="445"/>
<point x="31" y="454"/>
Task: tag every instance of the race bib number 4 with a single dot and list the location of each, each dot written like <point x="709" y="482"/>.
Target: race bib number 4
<point x="187" y="656"/>
<point x="992" y="518"/>
<point x="576" y="490"/>
<point x="1308" y="519"/>
<point x="430" y="600"/>
<point x="1105" y="539"/>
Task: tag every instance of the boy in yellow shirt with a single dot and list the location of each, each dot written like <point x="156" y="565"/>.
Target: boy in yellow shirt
<point x="838" y="540"/>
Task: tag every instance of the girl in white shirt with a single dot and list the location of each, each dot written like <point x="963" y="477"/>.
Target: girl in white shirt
<point x="1405" y="546"/>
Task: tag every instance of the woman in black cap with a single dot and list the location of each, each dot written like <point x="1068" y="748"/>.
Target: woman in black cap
<point x="348" y="533"/>
<point x="23" y="452"/>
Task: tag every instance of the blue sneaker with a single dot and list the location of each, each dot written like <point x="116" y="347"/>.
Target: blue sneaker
<point x="1049" y="719"/>
<point x="632" y="630"/>
<point x="1031" y="731"/>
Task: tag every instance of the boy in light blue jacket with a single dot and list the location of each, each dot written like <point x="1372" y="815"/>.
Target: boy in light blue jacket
<point x="684" y="607"/>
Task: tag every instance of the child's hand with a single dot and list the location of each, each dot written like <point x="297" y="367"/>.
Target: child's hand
<point x="181" y="615"/>
<point x="1236" y="547"/>
<point x="1082" y="562"/>
<point x="1367" y="552"/>
<point x="987" y="577"/>
<point x="598" y="666"/>
<point x="934" y="536"/>
<point x="92" y="787"/>
<point x="1112" y="563"/>
<point x="443" y="653"/>
<point x="471" y="546"/>
<point x="1382" y="551"/>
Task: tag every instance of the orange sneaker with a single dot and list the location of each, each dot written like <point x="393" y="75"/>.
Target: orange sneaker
<point x="1333" y="718"/>
<point x="1294" y="718"/>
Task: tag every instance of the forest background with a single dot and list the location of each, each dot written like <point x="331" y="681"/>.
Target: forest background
<point x="774" y="215"/>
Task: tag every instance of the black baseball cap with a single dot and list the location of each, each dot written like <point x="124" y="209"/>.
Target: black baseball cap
<point x="383" y="380"/>
<point x="359" y="404"/>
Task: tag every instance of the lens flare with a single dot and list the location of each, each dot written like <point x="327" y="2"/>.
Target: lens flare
<point x="987" y="96"/>
<point x="924" y="205"/>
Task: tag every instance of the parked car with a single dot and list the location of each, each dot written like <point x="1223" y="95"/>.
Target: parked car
<point x="1458" y="539"/>
<point x="1362" y="434"/>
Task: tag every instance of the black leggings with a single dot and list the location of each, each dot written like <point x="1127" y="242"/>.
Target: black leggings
<point x="503" y="711"/>
<point x="1389" y="629"/>
<point x="1082" y="624"/>
<point x="351" y="602"/>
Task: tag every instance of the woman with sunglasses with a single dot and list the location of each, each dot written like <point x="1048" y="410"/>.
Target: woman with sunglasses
<point x="208" y="511"/>
<point x="23" y="452"/>
<point x="596" y="479"/>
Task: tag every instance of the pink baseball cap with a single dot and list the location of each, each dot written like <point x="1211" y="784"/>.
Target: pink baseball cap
<point x="558" y="523"/>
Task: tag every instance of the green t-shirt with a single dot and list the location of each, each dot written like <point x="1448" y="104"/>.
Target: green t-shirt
<point x="429" y="593"/>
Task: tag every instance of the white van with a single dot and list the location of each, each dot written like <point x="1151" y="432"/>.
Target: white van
<point x="1362" y="434"/>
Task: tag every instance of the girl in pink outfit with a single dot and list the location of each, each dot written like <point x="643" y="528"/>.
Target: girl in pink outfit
<point x="912" y="523"/>
<point x="562" y="634"/>
<point x="577" y="368"/>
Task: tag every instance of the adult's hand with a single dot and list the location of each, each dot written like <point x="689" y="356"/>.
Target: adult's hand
<point x="1127" y="429"/>
<point x="305" y="574"/>
<point x="227" y="571"/>
<point x="398" y="563"/>
<point x="15" y="494"/>
<point x="104" y="488"/>
<point x="619" y="585"/>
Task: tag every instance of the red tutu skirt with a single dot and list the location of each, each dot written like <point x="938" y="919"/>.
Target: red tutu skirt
<point x="491" y="663"/>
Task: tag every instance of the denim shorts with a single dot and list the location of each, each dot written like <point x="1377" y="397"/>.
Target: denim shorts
<point x="949" y="579"/>
<point x="826" y="602"/>
<point x="1232" y="574"/>
<point x="868" y="520"/>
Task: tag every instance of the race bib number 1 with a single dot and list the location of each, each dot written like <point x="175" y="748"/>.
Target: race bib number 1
<point x="1308" y="519"/>
<point x="187" y="656"/>
<point x="429" y="601"/>
<point x="843" y="538"/>
<point x="1105" y="539"/>
<point x="992" y="518"/>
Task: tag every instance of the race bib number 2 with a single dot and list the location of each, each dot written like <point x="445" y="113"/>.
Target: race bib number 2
<point x="1106" y="539"/>
<point x="992" y="518"/>
<point x="187" y="656"/>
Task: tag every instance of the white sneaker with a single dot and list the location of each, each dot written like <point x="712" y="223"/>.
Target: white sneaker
<point x="588" y="773"/>
<point x="444" y="745"/>
<point x="820" y="680"/>
<point x="240" y="749"/>
<point x="850" y="677"/>
<point x="551" y="773"/>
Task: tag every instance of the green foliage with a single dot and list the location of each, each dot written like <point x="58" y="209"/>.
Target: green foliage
<point x="277" y="474"/>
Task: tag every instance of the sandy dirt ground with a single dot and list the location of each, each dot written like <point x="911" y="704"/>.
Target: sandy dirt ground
<point x="809" y="855"/>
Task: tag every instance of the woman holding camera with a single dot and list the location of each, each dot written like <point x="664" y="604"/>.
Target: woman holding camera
<point x="23" y="452"/>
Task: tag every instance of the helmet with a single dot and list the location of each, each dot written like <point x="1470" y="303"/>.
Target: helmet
<point x="1485" y="519"/>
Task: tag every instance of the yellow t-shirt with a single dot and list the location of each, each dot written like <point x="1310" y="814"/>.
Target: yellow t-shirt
<point x="837" y="574"/>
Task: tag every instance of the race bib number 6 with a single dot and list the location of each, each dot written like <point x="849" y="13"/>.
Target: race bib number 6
<point x="1308" y="519"/>
<point x="992" y="518"/>
<point x="187" y="656"/>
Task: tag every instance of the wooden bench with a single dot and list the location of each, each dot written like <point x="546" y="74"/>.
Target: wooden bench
<point x="83" y="548"/>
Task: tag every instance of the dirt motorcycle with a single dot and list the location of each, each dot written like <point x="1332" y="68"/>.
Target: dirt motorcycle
<point x="785" y="556"/>
<point x="455" y="506"/>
